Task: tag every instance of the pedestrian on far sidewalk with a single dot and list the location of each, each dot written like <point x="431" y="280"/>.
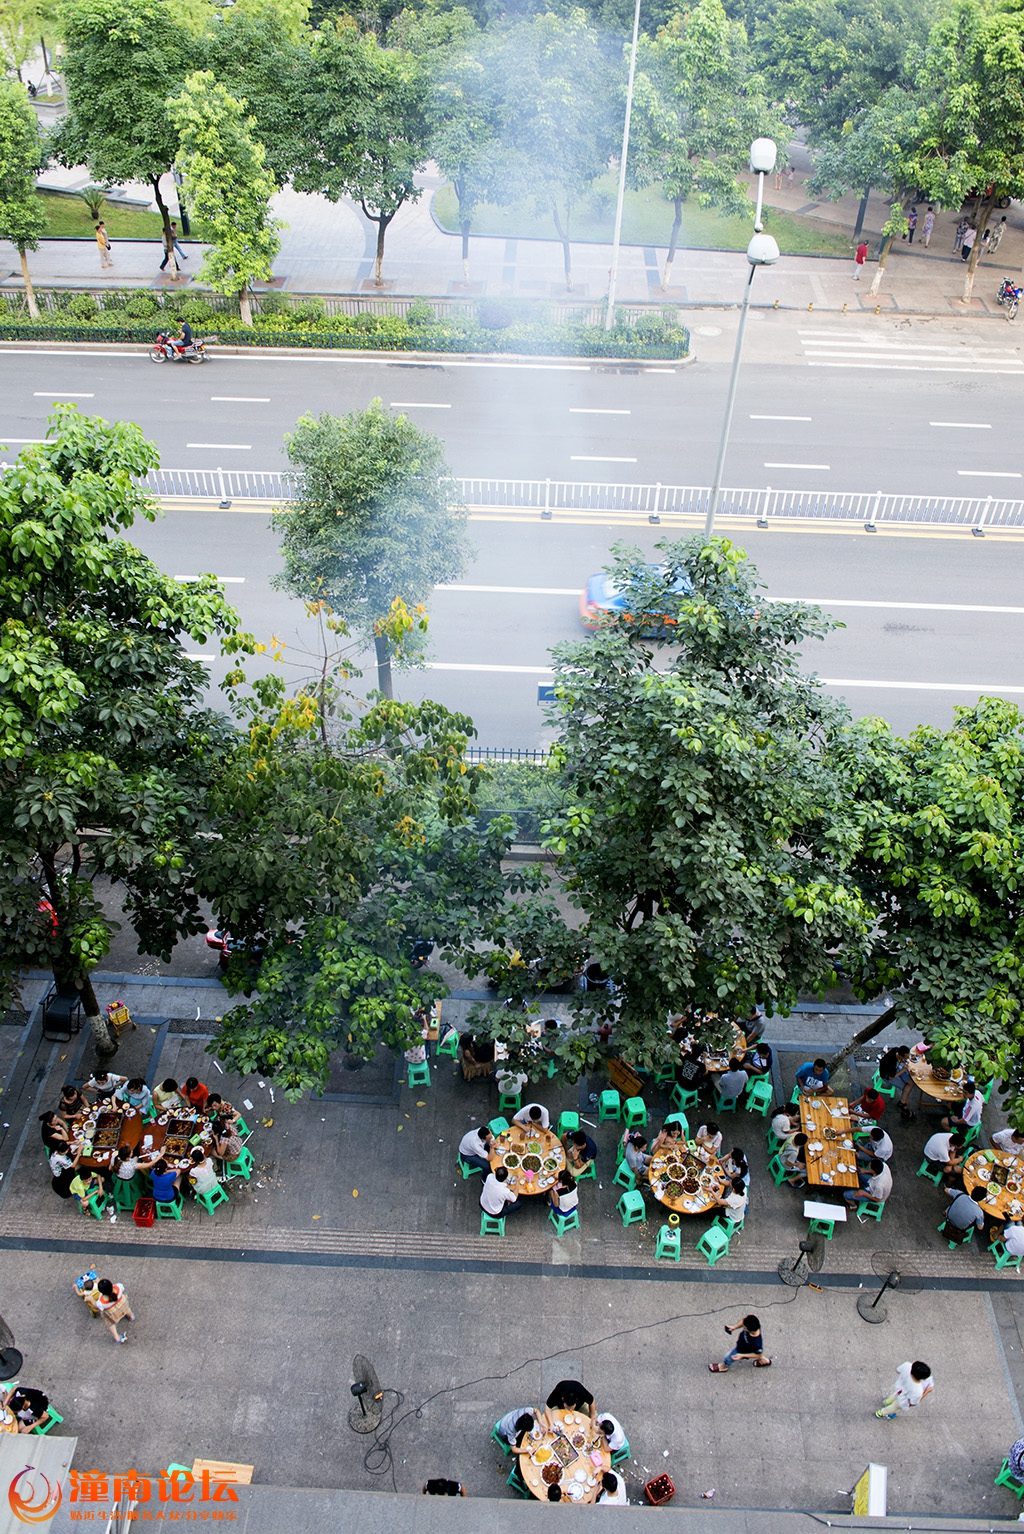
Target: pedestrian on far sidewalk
<point x="958" y="238"/>
<point x="168" y="242"/>
<point x="997" y="231"/>
<point x="859" y="260"/>
<point x="911" y="226"/>
<point x="927" y="227"/>
<point x="913" y="1383"/>
<point x="790" y="173"/>
<point x="967" y="243"/>
<point x="103" y="244"/>
<point x="177" y="248"/>
<point x="778" y="178"/>
<point x="112" y="1303"/>
<point x="749" y="1344"/>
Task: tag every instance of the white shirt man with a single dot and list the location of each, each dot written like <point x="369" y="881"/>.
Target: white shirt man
<point x="972" y="1110"/>
<point x="495" y="1196"/>
<point x="939" y="1148"/>
<point x="879" y="1185"/>
<point x="882" y="1147"/>
<point x="475" y="1150"/>
<point x="533" y="1115"/>
<point x="616" y="1498"/>
<point x="1010" y="1140"/>
<point x="908" y="1391"/>
<point x="1013" y="1238"/>
<point x="615" y="1435"/>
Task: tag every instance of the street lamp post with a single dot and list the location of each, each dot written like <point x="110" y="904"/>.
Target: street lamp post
<point x="762" y="251"/>
<point x="614" y="274"/>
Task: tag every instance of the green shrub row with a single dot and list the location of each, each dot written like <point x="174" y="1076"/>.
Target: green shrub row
<point x="652" y="336"/>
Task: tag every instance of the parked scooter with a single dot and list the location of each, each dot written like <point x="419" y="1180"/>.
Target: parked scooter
<point x="1010" y="296"/>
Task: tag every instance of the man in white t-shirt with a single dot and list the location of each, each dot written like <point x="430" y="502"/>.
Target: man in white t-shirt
<point x="971" y="1110"/>
<point x="944" y="1150"/>
<point x="876" y="1144"/>
<point x="475" y="1148"/>
<point x="1013" y="1238"/>
<point x="533" y="1116"/>
<point x="1011" y="1140"/>
<point x="613" y="1431"/>
<point x="876" y="1185"/>
<point x="496" y="1197"/>
<point x="613" y="1491"/>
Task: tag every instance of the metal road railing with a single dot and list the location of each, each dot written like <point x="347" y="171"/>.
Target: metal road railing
<point x="875" y="508"/>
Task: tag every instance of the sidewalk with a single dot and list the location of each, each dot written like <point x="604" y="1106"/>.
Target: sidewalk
<point x="329" y="249"/>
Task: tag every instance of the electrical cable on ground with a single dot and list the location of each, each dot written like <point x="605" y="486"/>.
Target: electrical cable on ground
<point x="379" y="1460"/>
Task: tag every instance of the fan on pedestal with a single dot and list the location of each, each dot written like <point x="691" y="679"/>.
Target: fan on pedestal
<point x="10" y="1359"/>
<point x="364" y="1416"/>
<point x="809" y="1260"/>
<point x="896" y="1272"/>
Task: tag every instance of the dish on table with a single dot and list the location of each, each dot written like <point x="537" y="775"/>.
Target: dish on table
<point x="530" y="1163"/>
<point x="577" y="1440"/>
<point x="675" y="1170"/>
<point x="673" y="1189"/>
<point x="551" y="1474"/>
<point x="511" y="1161"/>
<point x="691" y="1184"/>
<point x="541" y="1454"/>
<point x="534" y="1147"/>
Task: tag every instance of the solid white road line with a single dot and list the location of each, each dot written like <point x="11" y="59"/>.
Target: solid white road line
<point x="986" y="474"/>
<point x="825" y="466"/>
<point x="522" y="591"/>
<point x="223" y="580"/>
<point x="922" y="607"/>
<point x="587" y="410"/>
<point x="875" y="343"/>
<point x="241" y="399"/>
<point x="224" y="447"/>
<point x="411" y="404"/>
<point x="964" y="425"/>
<point x="780" y="417"/>
<point x="913" y="367"/>
<point x="60" y="394"/>
<point x="445" y="665"/>
<point x="595" y="458"/>
<point x="974" y="687"/>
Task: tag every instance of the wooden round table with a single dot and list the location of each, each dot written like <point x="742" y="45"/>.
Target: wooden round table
<point x="1004" y="1205"/>
<point x="540" y="1145"/>
<point x="711" y="1178"/>
<point x="576" y="1461"/>
<point x="924" y="1078"/>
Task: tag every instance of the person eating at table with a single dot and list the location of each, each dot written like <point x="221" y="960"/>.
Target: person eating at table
<point x="227" y="1142"/>
<point x="570" y="1395"/>
<point x="875" y="1184"/>
<point x="870" y="1105"/>
<point x="612" y="1429"/>
<point x="709" y="1138"/>
<point x="135" y="1094"/>
<point x="496" y="1197"/>
<point x="513" y="1427"/>
<point x="580" y="1151"/>
<point x="793" y="1156"/>
<point x="669" y="1137"/>
<point x="758" y="1059"/>
<point x="477" y="1056"/>
<point x="165" y="1180"/>
<point x="125" y="1163"/>
<point x="963" y="1215"/>
<point x="29" y="1406"/>
<point x="1012" y="1237"/>
<point x="202" y="1173"/>
<point x="636" y="1157"/>
<point x="195" y="1093"/>
<point x="72" y="1103"/>
<point x="971" y="1108"/>
<point x="475" y="1148"/>
<point x="944" y="1151"/>
<point x="217" y="1108"/>
<point x="63" y="1169"/>
<point x="82" y="1186"/>
<point x="733" y="1082"/>
<point x="734" y="1200"/>
<point x="894" y="1070"/>
<point x="1009" y="1140"/>
<point x="812" y="1079"/>
<point x="533" y="1116"/>
<point x="734" y="1164"/>
<point x="166" y="1097"/>
<point x="691" y="1072"/>
<point x="103" y="1085"/>
<point x="877" y="1145"/>
<point x="564" y="1197"/>
<point x="613" y="1490"/>
<point x="54" y="1131"/>
<point x="784" y="1123"/>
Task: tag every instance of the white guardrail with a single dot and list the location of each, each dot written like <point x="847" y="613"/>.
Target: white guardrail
<point x="551" y="495"/>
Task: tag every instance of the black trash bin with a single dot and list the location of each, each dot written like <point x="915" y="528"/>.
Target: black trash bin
<point x="62" y="1013"/>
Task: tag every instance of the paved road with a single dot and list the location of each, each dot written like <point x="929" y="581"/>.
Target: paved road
<point x="869" y="413"/>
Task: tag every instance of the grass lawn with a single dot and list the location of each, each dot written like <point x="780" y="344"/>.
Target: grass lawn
<point x="70" y="216"/>
<point x="647" y="220"/>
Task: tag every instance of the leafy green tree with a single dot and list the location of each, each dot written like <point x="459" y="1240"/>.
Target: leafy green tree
<point x="106" y="750"/>
<point x="556" y="79"/>
<point x="707" y="832"/>
<point x="255" y="55"/>
<point x="123" y="60"/>
<point x="700" y="105"/>
<point x="942" y="827"/>
<point x="879" y="153"/>
<point x="22" y="219"/>
<point x="227" y="185"/>
<point x="364" y="125"/>
<point x="375" y="524"/>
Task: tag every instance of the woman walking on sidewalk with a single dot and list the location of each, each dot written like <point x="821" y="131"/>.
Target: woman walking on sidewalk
<point x="103" y="244"/>
<point x="112" y="1303"/>
<point x="913" y="1383"/>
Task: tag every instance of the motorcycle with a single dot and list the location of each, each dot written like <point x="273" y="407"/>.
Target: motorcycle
<point x="167" y="349"/>
<point x="1010" y="296"/>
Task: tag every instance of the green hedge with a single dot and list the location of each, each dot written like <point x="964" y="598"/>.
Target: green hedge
<point x="651" y="339"/>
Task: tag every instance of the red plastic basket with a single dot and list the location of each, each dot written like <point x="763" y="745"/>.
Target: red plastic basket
<point x="145" y="1211"/>
<point x="659" y="1491"/>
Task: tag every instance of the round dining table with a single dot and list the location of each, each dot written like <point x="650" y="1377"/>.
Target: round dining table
<point x="570" y="1454"/>
<point x="671" y="1173"/>
<point x="926" y="1081"/>
<point x="1003" y="1201"/>
<point x="534" y="1157"/>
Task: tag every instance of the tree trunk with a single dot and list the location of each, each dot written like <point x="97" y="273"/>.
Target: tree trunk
<point x="673" y="241"/>
<point x="883" y="256"/>
<point x="106" y="1043"/>
<point x="245" y="307"/>
<point x="973" y="258"/>
<point x="563" y="235"/>
<point x="868" y="1032"/>
<point x="465" y="249"/>
<point x="861" y="214"/>
<point x="382" y="220"/>
<point x="383" y="648"/>
<point x="164" y="214"/>
<point x="30" y="294"/>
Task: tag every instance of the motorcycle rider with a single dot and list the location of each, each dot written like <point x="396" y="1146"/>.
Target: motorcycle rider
<point x="184" y="338"/>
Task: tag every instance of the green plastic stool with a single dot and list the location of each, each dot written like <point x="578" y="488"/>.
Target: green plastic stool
<point x="568" y="1123"/>
<point x="679" y="1118"/>
<point x="986" y="1092"/>
<point x="213" y="1200"/>
<point x="624" y="1176"/>
<point x="518" y="1485"/>
<point x="632" y="1208"/>
<point x="500" y="1440"/>
<point x="826" y="1228"/>
<point x="634" y="1113"/>
<point x="886" y="1088"/>
<point x="669" y="1245"/>
<point x="564" y="1222"/>
<point x="168" y="1209"/>
<point x="1006" y="1478"/>
<point x="609" y="1106"/>
<point x="127" y="1191"/>
<point x="868" y="1209"/>
<point x="731" y="1227"/>
<point x="725" y="1104"/>
<point x="491" y="1225"/>
<point x="509" y="1102"/>
<point x="552" y="1068"/>
<point x="776" y="1171"/>
<point x="1003" y="1258"/>
<point x="666" y="1074"/>
<point x="970" y="1135"/>
<point x="469" y="1171"/>
<point x="774" y="1143"/>
<point x="241" y="1166"/>
<point x="53" y="1419"/>
<point x="244" y="1131"/>
<point x="684" y="1099"/>
<point x="713" y="1244"/>
<point x="619" y="1456"/>
<point x="498" y="1127"/>
<point x="448" y="1047"/>
<point x="759" y="1096"/>
<point x="95" y="1202"/>
<point x="924" y="1170"/>
<point x="943" y="1230"/>
<point x="419" y="1075"/>
<point x="591" y="1172"/>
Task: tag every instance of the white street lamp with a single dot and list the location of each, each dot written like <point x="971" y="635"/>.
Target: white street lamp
<point x="762" y="251"/>
<point x="614" y="275"/>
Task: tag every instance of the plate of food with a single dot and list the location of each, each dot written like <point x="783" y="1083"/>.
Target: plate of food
<point x="673" y="1189"/>
<point x="577" y="1440"/>
<point x="691" y="1184"/>
<point x="511" y="1161"/>
<point x="1012" y="1185"/>
<point x="675" y="1170"/>
<point x="550" y="1164"/>
<point x="529" y="1163"/>
<point x="534" y="1147"/>
<point x="551" y="1474"/>
<point x="541" y="1454"/>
